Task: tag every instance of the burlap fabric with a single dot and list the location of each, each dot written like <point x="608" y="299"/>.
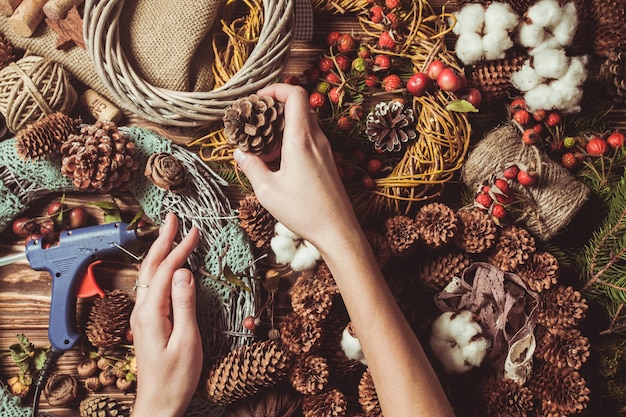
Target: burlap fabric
<point x="548" y="205"/>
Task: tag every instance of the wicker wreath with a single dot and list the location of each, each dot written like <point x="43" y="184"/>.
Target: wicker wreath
<point x="180" y="108"/>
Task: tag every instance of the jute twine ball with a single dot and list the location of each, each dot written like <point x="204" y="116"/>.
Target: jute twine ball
<point x="32" y="88"/>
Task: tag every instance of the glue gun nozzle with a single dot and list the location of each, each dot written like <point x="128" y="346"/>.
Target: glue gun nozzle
<point x="146" y="231"/>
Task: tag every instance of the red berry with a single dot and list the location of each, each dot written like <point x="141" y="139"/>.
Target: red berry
<point x="391" y="82"/>
<point x="56" y="207"/>
<point x="374" y="166"/>
<point x="474" y="96"/>
<point x="363" y="52"/>
<point x="332" y="38"/>
<point x="382" y="62"/>
<point x="483" y="200"/>
<point x="417" y="84"/>
<point x="358" y="156"/>
<point x="554" y="118"/>
<point x="529" y="136"/>
<point x="344" y="123"/>
<point x="343" y="62"/>
<point x="517" y="104"/>
<point x="434" y="69"/>
<point x="449" y="80"/>
<point x="392" y="4"/>
<point x="335" y="95"/>
<point x="540" y="115"/>
<point x="22" y="227"/>
<point x="569" y="160"/>
<point x="498" y="211"/>
<point x="251" y="322"/>
<point x="346" y="43"/>
<point x="325" y="64"/>
<point x="317" y="100"/>
<point x="511" y="172"/>
<point x="597" y="146"/>
<point x="522" y="117"/>
<point x="376" y="14"/>
<point x="46" y="227"/>
<point x="502" y="185"/>
<point x="311" y="74"/>
<point x="386" y="41"/>
<point x="616" y="140"/>
<point x="504" y="199"/>
<point x="368" y="182"/>
<point x="392" y="20"/>
<point x="77" y="217"/>
<point x="527" y="179"/>
<point x="332" y="78"/>
<point x="371" y="80"/>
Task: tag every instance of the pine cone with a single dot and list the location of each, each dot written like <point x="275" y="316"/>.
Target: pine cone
<point x="247" y="369"/>
<point x="540" y="272"/>
<point x="99" y="158"/>
<point x="514" y="247"/>
<point x="103" y="407"/>
<point x="44" y="137"/>
<point x="300" y="335"/>
<point x="309" y="374"/>
<point x="390" y="125"/>
<point x="562" y="347"/>
<point x="254" y="124"/>
<point x="7" y="54"/>
<point x="339" y="364"/>
<point x="561" y="307"/>
<point x="109" y="319"/>
<point x="439" y="270"/>
<point x="609" y="26"/>
<point x="506" y="398"/>
<point x="330" y="403"/>
<point x="493" y="78"/>
<point x="256" y="221"/>
<point x="309" y="298"/>
<point x="166" y="171"/>
<point x="477" y="231"/>
<point x="559" y="391"/>
<point x="402" y="234"/>
<point x="368" y="398"/>
<point x="613" y="73"/>
<point x="437" y="224"/>
<point x="325" y="279"/>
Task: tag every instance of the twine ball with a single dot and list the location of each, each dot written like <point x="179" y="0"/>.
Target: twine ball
<point x="32" y="88"/>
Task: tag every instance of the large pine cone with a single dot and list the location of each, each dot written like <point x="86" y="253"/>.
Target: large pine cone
<point x="103" y="407"/>
<point x="309" y="374"/>
<point x="245" y="370"/>
<point x="438" y="271"/>
<point x="44" y="137"/>
<point x="514" y="247"/>
<point x="309" y="297"/>
<point x="540" y="272"/>
<point x="437" y="224"/>
<point x="256" y="221"/>
<point x="7" y="54"/>
<point x="562" y="347"/>
<point x="493" y="78"/>
<point x="477" y="230"/>
<point x="368" y="398"/>
<point x="613" y="73"/>
<point x="99" y="158"/>
<point x="402" y="234"/>
<point x="561" y="307"/>
<point x="609" y="25"/>
<point x="330" y="403"/>
<point x="390" y="125"/>
<point x="109" y="319"/>
<point x="254" y="124"/>
<point x="504" y="397"/>
<point x="560" y="391"/>
<point x="300" y="335"/>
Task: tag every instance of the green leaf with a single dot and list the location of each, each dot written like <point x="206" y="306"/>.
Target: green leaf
<point x="111" y="211"/>
<point x="135" y="220"/>
<point x="461" y="106"/>
<point x="233" y="279"/>
<point x="40" y="358"/>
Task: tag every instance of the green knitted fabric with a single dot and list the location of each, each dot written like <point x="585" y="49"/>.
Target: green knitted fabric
<point x="10" y="405"/>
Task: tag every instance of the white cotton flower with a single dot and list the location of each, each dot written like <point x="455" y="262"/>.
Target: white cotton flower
<point x="545" y="13"/>
<point x="284" y="248"/>
<point x="541" y="97"/>
<point x="352" y="347"/>
<point x="306" y="257"/>
<point x="280" y="229"/>
<point x="469" y="48"/>
<point x="469" y="19"/>
<point x="475" y="352"/>
<point x="463" y="327"/>
<point x="500" y="16"/>
<point x="526" y="78"/>
<point x="565" y="30"/>
<point x="496" y="43"/>
<point x="576" y="72"/>
<point x="291" y="249"/>
<point x="551" y="63"/>
<point x="530" y="36"/>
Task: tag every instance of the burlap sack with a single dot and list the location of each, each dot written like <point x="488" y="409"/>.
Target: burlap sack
<point x="549" y="204"/>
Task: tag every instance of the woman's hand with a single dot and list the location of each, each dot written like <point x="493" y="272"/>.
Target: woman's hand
<point x="165" y="329"/>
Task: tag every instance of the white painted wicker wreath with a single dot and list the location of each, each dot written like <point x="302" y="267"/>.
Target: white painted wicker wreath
<point x="180" y="108"/>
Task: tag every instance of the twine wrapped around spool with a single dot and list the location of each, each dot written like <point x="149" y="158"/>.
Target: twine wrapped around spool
<point x="549" y="204"/>
<point x="32" y="88"/>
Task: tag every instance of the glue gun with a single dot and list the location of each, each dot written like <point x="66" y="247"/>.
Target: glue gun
<point x="70" y="262"/>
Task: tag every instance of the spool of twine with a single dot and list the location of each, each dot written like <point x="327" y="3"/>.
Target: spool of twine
<point x="32" y="88"/>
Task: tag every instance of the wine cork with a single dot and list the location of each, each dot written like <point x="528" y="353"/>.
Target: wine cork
<point x="57" y="9"/>
<point x="27" y="16"/>
<point x="99" y="107"/>
<point x="7" y="7"/>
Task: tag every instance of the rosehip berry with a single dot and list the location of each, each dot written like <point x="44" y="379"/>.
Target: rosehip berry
<point x="522" y="117"/>
<point x="392" y="20"/>
<point x="251" y="322"/>
<point x="498" y="211"/>
<point x="540" y="115"/>
<point x="392" y="4"/>
<point x="368" y="182"/>
<point x="335" y="95"/>
<point x="511" y="172"/>
<point x="504" y="199"/>
<point x="77" y="218"/>
<point x="363" y="52"/>
<point x="391" y="82"/>
<point x="483" y="201"/>
<point x="527" y="179"/>
<point x="325" y="64"/>
<point x="386" y="41"/>
<point x="517" y="104"/>
<point x="502" y="185"/>
<point x="22" y="227"/>
<point x="377" y="14"/>
<point x="332" y="38"/>
<point x="616" y="140"/>
<point x="311" y="74"/>
<point x="344" y="123"/>
<point x="343" y="62"/>
<point x="346" y="43"/>
<point x="569" y="160"/>
<point x="317" y="100"/>
<point x="554" y="118"/>
<point x="332" y="78"/>
<point x="292" y="80"/>
<point x="597" y="146"/>
<point x="529" y="137"/>
<point x="382" y="62"/>
<point x="538" y="128"/>
<point x="371" y="80"/>
<point x="374" y="166"/>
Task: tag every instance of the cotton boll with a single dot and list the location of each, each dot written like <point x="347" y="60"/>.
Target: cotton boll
<point x="526" y="78"/>
<point x="280" y="229"/>
<point x="469" y="19"/>
<point x="569" y="96"/>
<point x="284" y="248"/>
<point x="475" y="352"/>
<point x="495" y="44"/>
<point x="549" y="42"/>
<point x="500" y="16"/>
<point x="530" y="36"/>
<point x="565" y="30"/>
<point x="576" y="73"/>
<point x="551" y="63"/>
<point x="306" y="257"/>
<point x="454" y="362"/>
<point x="352" y="347"/>
<point x="463" y="327"/>
<point x="545" y="13"/>
<point x="541" y="97"/>
<point x="469" y="48"/>
<point x="312" y="249"/>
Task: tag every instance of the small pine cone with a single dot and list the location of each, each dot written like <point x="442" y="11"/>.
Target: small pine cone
<point x="368" y="398"/>
<point x="504" y="397"/>
<point x="437" y="224"/>
<point x="300" y="335"/>
<point x="7" y="54"/>
<point x="99" y="158"/>
<point x="103" y="406"/>
<point x="477" y="231"/>
<point x="166" y="171"/>
<point x="402" y="234"/>
<point x="309" y="298"/>
<point x="43" y="138"/>
<point x="309" y="375"/>
<point x="109" y="318"/>
<point x="330" y="403"/>
<point x="325" y="279"/>
<point x="247" y="369"/>
<point x="514" y="247"/>
<point x="561" y="307"/>
<point x="390" y="125"/>
<point x="609" y="26"/>
<point x="493" y="78"/>
<point x="438" y="271"/>
<point x="254" y="124"/>
<point x="558" y="391"/>
<point x="380" y="247"/>
<point x="540" y="272"/>
<point x="613" y="73"/>
<point x="562" y="347"/>
<point x="61" y="389"/>
<point x="256" y="221"/>
<point x="340" y="365"/>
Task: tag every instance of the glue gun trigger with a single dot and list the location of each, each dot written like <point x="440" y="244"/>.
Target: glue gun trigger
<point x="88" y="286"/>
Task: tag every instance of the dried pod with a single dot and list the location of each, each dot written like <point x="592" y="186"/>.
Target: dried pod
<point x="166" y="171"/>
<point x="60" y="389"/>
<point x="88" y="367"/>
<point x="93" y="384"/>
